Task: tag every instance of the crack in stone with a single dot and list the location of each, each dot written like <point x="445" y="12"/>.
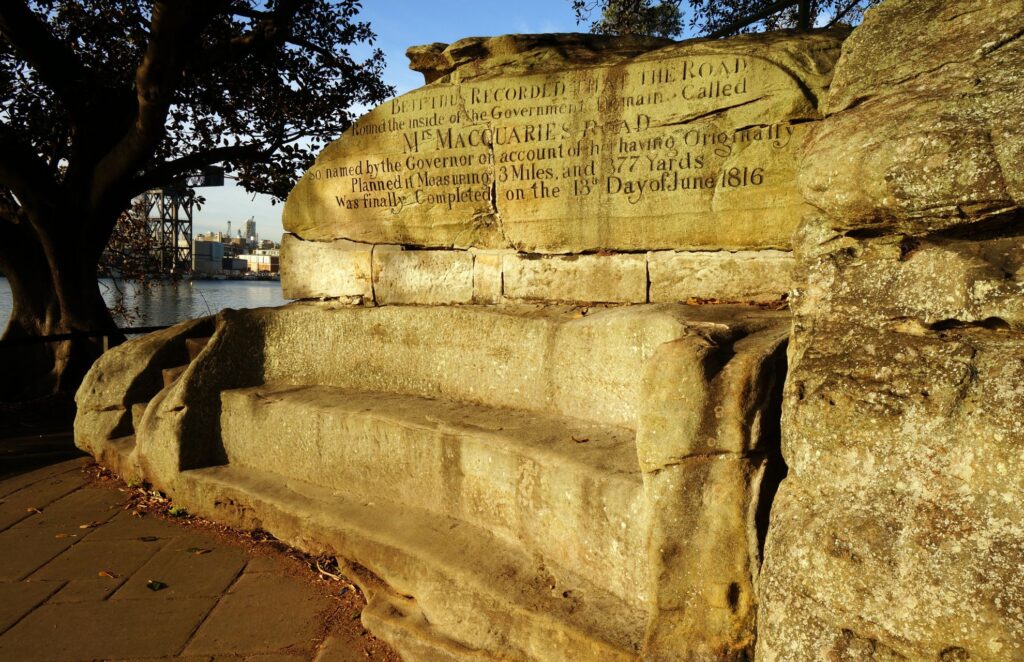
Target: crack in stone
<point x="990" y="48"/>
<point x="710" y="113"/>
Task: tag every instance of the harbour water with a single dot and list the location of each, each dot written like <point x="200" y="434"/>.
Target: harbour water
<point x="163" y="304"/>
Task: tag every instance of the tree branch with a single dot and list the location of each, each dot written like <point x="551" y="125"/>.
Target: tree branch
<point x="24" y="173"/>
<point x="12" y="229"/>
<point x="58" y="66"/>
<point x="10" y="210"/>
<point x="839" y="16"/>
<point x="271" y="28"/>
<point x="175" y="30"/>
<point x="743" y="22"/>
<point x="325" y="53"/>
<point x="166" y="172"/>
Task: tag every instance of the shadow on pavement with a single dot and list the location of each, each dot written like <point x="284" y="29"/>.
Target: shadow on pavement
<point x="36" y="434"/>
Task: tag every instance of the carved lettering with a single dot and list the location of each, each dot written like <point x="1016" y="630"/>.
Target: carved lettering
<point x="683" y="135"/>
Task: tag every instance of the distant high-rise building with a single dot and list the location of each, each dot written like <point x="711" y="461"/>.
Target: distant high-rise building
<point x="250" y="231"/>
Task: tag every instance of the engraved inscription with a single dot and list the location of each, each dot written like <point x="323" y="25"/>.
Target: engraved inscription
<point x="699" y="135"/>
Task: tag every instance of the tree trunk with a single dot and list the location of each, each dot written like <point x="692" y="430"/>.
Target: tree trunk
<point x="804" y="14"/>
<point x="54" y="291"/>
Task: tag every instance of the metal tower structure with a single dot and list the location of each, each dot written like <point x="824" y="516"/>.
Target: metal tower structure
<point x="168" y="214"/>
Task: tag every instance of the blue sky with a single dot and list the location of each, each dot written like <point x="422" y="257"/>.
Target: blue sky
<point x="400" y="24"/>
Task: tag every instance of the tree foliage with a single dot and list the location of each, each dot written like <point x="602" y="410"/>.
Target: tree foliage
<point x="100" y="101"/>
<point x="715" y="18"/>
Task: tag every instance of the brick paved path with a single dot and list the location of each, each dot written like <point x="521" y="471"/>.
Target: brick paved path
<point x="74" y="593"/>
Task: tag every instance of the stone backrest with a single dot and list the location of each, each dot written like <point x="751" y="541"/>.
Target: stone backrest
<point x="552" y="360"/>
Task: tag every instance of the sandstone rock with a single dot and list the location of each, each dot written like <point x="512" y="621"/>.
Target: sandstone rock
<point x="931" y="282"/>
<point x="925" y="138"/>
<point x="424" y="277"/>
<point x="564" y="144"/>
<point x="897" y="534"/>
<point x="326" y="269"/>
<point x="517" y="53"/>
<point x="707" y="424"/>
<point x="747" y="276"/>
<point x="933" y="39"/>
<point x="900" y="520"/>
<point x="127" y="375"/>
<point x="576" y="278"/>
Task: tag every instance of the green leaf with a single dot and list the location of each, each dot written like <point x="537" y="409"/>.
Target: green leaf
<point x="154" y="585"/>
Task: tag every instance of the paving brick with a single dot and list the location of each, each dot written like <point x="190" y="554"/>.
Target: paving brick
<point x="87" y="590"/>
<point x="264" y="564"/>
<point x="80" y="507"/>
<point x="126" y="526"/>
<point x="75" y="614"/>
<point x="21" y="481"/>
<point x="15" y="506"/>
<point x="87" y="559"/>
<point x="338" y="649"/>
<point x="245" y="621"/>
<point x="186" y="573"/>
<point x="25" y="550"/>
<point x="19" y="598"/>
<point x="105" y="630"/>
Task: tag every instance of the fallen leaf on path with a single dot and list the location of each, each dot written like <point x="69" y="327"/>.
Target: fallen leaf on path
<point x="66" y="535"/>
<point x="107" y="574"/>
<point x="33" y="510"/>
<point x="90" y="525"/>
<point x="198" y="551"/>
<point x="581" y="440"/>
<point x="154" y="585"/>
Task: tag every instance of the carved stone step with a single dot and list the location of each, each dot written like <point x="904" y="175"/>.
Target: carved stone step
<point x="490" y="592"/>
<point x="568" y="490"/>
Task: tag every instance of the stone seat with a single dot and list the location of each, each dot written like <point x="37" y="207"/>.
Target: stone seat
<point x="545" y="482"/>
<point x="569" y="490"/>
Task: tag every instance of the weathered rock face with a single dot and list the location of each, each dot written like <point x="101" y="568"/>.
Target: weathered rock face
<point x="566" y="144"/>
<point x="899" y="533"/>
<point x="926" y="135"/>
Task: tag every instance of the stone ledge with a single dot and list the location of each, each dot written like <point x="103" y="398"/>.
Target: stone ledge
<point x="388" y="274"/>
<point x="619" y="278"/>
<point x="423" y="277"/>
<point x="745" y="276"/>
<point x="325" y="269"/>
